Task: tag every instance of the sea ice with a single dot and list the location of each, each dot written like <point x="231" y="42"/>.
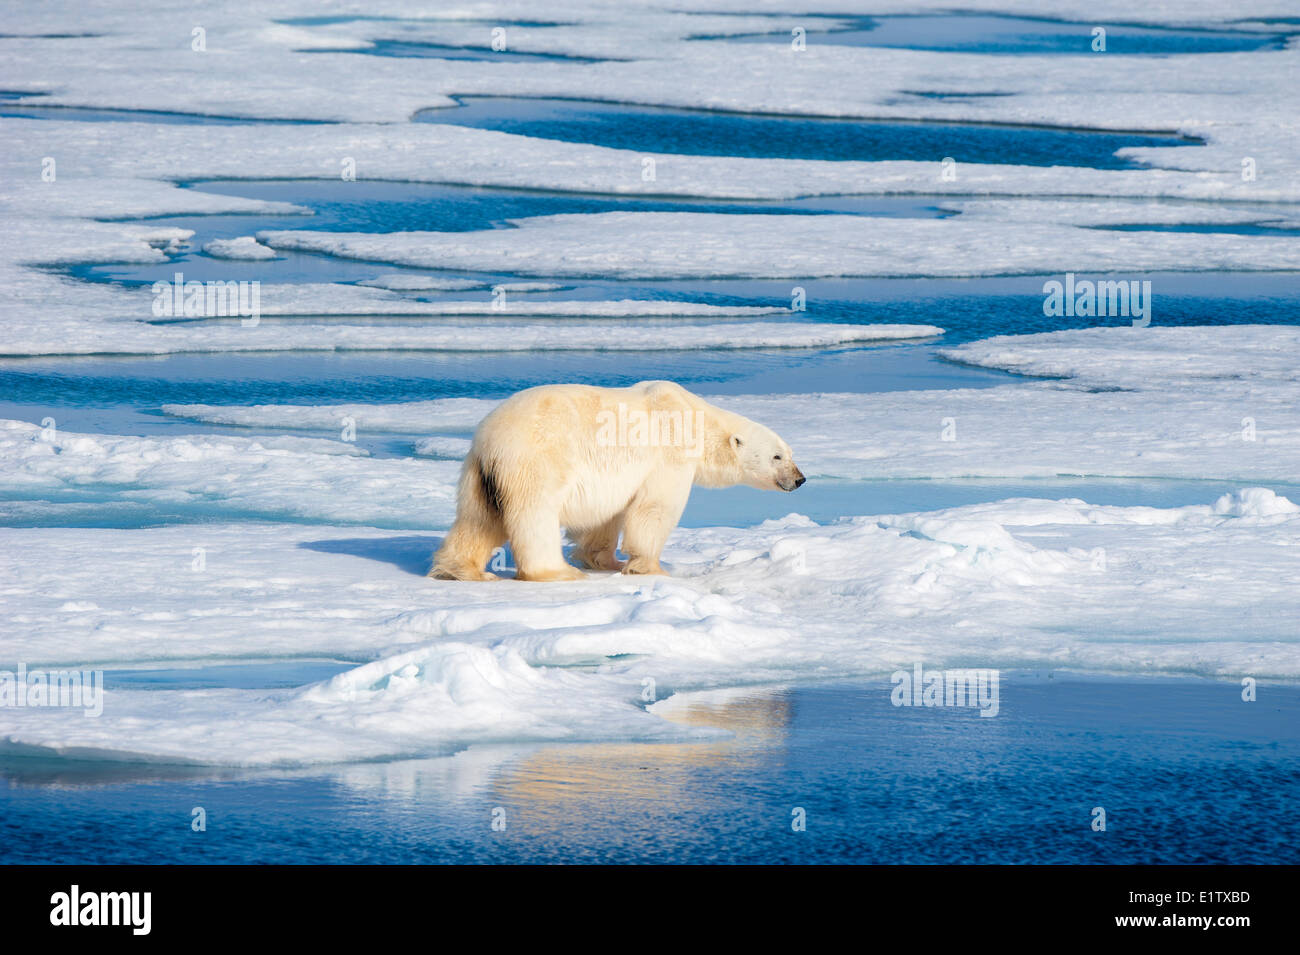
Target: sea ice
<point x="1016" y="584"/>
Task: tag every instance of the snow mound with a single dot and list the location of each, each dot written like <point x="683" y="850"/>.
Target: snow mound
<point x="1254" y="502"/>
<point x="245" y="248"/>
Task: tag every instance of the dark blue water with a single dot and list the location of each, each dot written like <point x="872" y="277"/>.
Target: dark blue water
<point x="702" y="133"/>
<point x="443" y="51"/>
<point x="319" y="21"/>
<point x="1186" y="772"/>
<point x="654" y="129"/>
<point x="329" y="378"/>
<point x="1009" y="35"/>
<point x="281" y="674"/>
<point x="1209" y="228"/>
<point x="46" y="36"/>
<point x="370" y="206"/>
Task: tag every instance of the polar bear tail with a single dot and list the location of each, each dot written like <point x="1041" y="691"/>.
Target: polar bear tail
<point x="478" y="530"/>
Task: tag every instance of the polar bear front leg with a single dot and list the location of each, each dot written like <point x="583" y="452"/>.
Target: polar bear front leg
<point x="537" y="542"/>
<point x="650" y="517"/>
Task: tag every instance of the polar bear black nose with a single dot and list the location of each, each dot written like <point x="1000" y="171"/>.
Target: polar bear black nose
<point x="799" y="483"/>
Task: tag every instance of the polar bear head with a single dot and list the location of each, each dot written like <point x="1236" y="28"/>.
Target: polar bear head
<point x="763" y="460"/>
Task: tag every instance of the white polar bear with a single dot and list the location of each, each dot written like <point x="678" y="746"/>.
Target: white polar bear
<point x="600" y="462"/>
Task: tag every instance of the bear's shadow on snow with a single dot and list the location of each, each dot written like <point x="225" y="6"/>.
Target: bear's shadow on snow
<point x="410" y="554"/>
<point x="414" y="555"/>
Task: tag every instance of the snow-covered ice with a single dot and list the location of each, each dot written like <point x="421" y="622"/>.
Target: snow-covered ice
<point x="272" y="478"/>
<point x="441" y="665"/>
<point x="442" y="414"/>
<point x="1203" y="357"/>
<point x="442" y="446"/>
<point x="245" y="247"/>
<point x="409" y="282"/>
<point x="673" y="244"/>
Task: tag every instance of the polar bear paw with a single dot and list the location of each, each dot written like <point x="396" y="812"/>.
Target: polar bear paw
<point x="552" y="574"/>
<point x="603" y="560"/>
<point x="644" y="565"/>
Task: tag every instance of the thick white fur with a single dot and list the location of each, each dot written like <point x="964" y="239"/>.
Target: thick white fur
<point x="539" y="463"/>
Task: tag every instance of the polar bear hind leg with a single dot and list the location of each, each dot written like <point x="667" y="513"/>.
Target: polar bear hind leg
<point x="598" y="548"/>
<point x="477" y="531"/>
<point x="531" y="505"/>
<point x="535" y="537"/>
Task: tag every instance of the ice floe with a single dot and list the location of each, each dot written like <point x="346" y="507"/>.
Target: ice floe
<point x="409" y="282"/>
<point x="277" y="478"/>
<point x="1207" y="589"/>
<point x="245" y="247"/>
<point x="673" y="244"/>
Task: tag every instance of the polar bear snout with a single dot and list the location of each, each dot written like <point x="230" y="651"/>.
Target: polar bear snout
<point x="791" y="481"/>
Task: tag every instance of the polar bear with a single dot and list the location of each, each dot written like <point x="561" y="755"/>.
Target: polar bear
<point x="598" y="462"/>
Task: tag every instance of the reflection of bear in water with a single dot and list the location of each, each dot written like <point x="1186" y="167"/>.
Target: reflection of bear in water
<point x="600" y="462"/>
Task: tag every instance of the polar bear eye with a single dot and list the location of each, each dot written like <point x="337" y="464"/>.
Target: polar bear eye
<point x="776" y="457"/>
